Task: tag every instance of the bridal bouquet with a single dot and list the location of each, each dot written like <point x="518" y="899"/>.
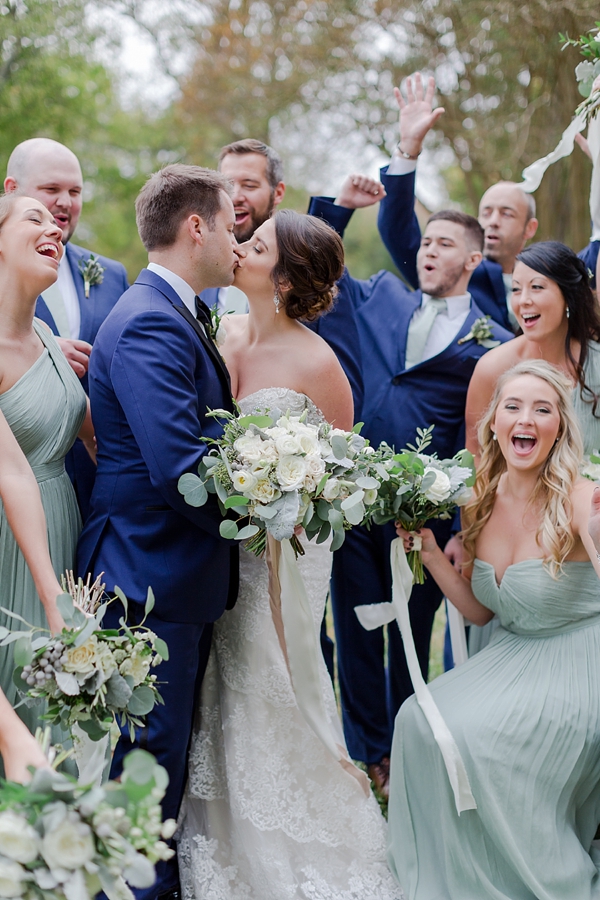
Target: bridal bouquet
<point x="587" y="71"/>
<point x="63" y="841"/>
<point x="277" y="471"/>
<point x="590" y="467"/>
<point x="417" y="487"/>
<point x="87" y="674"/>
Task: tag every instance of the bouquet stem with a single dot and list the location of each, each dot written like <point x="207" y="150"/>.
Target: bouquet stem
<point x="416" y="566"/>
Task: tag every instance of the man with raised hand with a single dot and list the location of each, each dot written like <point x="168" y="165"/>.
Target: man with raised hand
<point x="419" y="353"/>
<point x="256" y="172"/>
<point x="506" y="212"/>
<point x="86" y="289"/>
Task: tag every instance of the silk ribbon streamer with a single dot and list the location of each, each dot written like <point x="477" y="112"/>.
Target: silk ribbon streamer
<point x="533" y="174"/>
<point x="91" y="756"/>
<point x="295" y="627"/>
<point x="373" y="616"/>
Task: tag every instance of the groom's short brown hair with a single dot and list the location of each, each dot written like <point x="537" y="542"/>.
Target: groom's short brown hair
<point x="171" y="195"/>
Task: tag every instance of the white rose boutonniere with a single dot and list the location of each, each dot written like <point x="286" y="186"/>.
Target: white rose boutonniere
<point x="217" y="328"/>
<point x="480" y="332"/>
<point x="92" y="272"/>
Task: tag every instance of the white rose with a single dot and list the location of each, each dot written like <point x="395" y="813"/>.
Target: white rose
<point x="220" y="335"/>
<point x="84" y="659"/>
<point x="11" y="877"/>
<point x="288" y="445"/>
<point x="264" y="491"/>
<point x="275" y="432"/>
<point x="70" y="845"/>
<point x="308" y="440"/>
<point x="291" y="472"/>
<point x="269" y="452"/>
<point x="331" y="489"/>
<point x="18" y="840"/>
<point x="249" y="446"/>
<point x="244" y="481"/>
<point x="441" y="488"/>
<point x="325" y="449"/>
<point x="314" y="465"/>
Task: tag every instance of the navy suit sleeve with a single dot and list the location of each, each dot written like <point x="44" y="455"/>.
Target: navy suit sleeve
<point x="589" y="255"/>
<point x="398" y="224"/>
<point x="336" y="216"/>
<point x="153" y="372"/>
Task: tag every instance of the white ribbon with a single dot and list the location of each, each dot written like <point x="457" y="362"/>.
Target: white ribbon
<point x="91" y="756"/>
<point x="533" y="174"/>
<point x="303" y="653"/>
<point x="378" y="614"/>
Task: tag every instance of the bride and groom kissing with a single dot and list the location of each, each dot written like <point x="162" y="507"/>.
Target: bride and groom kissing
<point x="266" y="808"/>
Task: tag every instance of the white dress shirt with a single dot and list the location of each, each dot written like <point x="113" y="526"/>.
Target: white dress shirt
<point x="66" y="285"/>
<point x="186" y="293"/>
<point x="447" y="324"/>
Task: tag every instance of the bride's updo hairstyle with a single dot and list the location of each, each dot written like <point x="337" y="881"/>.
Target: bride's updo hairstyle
<point x="310" y="259"/>
<point x="552" y="494"/>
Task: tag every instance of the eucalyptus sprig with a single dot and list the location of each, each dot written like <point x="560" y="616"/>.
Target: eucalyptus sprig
<point x="92" y="272"/>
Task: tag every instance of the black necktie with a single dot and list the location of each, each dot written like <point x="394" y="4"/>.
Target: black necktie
<point x="203" y="314"/>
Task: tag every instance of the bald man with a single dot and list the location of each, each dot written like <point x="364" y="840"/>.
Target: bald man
<point x="73" y="309"/>
<point x="506" y="212"/>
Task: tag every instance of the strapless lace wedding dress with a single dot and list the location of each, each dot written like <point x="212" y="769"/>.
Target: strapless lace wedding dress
<point x="268" y="813"/>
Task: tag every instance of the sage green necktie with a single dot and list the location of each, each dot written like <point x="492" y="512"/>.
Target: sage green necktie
<point x="419" y="328"/>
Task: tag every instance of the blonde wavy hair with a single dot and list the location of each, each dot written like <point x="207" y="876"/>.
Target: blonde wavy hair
<point x="552" y="494"/>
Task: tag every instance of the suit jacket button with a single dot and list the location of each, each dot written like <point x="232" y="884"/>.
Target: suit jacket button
<point x="396" y="379"/>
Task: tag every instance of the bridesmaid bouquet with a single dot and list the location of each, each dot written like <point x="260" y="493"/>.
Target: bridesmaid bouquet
<point x="63" y="841"/>
<point x="590" y="467"/>
<point x="277" y="471"/>
<point x="89" y="675"/>
<point x="417" y="487"/>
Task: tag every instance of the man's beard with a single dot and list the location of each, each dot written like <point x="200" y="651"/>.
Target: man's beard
<point x="449" y="280"/>
<point x="244" y="232"/>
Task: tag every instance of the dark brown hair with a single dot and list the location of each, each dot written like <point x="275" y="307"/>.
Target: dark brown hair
<point x="310" y="257"/>
<point x="473" y="230"/>
<point x="562" y="266"/>
<point x="274" y="171"/>
<point x="171" y="195"/>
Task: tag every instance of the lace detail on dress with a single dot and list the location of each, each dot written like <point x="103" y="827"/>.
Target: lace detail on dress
<point x="269" y="814"/>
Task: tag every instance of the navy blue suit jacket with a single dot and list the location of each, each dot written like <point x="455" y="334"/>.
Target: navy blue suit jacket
<point x="339" y="328"/>
<point x="589" y="255"/>
<point x="94" y="310"/>
<point x="400" y="232"/>
<point x="153" y="375"/>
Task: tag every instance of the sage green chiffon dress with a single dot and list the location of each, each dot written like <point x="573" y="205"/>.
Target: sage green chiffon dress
<point x="525" y="714"/>
<point x="45" y="409"/>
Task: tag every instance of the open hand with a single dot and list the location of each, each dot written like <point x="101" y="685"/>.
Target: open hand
<point x="359" y="191"/>
<point x="417" y="115"/>
<point x="77" y="354"/>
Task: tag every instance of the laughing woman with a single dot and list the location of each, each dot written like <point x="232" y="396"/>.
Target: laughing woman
<point x="45" y="406"/>
<point x="525" y="712"/>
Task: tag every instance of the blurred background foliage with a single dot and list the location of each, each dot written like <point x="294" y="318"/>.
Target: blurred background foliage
<point x="314" y="78"/>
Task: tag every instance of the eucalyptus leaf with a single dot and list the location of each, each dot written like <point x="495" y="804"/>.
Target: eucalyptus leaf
<point x="358" y="428"/>
<point x="356" y="513"/>
<point x="209" y="462"/>
<point x="228" y="529"/>
<point x="310" y="511"/>
<point x="323" y="508"/>
<point x="40" y="642"/>
<point x="339" y="446"/>
<point x="336" y="519"/>
<point x="118" y="692"/>
<point x="122" y="598"/>
<point x="246" y="532"/>
<point x="324" y="533"/>
<point x="259" y="421"/>
<point x="139" y="766"/>
<point x="93" y="729"/>
<point x="85" y="633"/>
<point x="23" y="653"/>
<point x="235" y="500"/>
<point x="339" y="536"/>
<point x="367" y="482"/>
<point x="150" y="602"/>
<point x="353" y="500"/>
<point x="142" y="701"/>
<point x="322" y="483"/>
<point x="221" y="491"/>
<point x="193" y="489"/>
<point x="66" y="607"/>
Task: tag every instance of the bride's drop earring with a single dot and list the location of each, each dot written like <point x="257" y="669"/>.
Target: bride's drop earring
<point x="276" y="301"/>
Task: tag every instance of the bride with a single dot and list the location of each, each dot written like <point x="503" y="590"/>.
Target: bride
<point x="269" y="814"/>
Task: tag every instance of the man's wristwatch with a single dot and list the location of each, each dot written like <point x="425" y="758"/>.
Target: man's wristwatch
<point x="405" y="154"/>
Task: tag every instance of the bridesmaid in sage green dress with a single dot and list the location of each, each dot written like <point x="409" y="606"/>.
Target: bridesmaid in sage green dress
<point x="524" y="712"/>
<point x="45" y="406"/>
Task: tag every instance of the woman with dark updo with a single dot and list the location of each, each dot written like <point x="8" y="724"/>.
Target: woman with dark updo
<point x="269" y="812"/>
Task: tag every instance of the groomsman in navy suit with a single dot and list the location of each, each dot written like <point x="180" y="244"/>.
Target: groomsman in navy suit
<point x="74" y="311"/>
<point x="506" y="212"/>
<point x="256" y="171"/>
<point x="154" y="374"/>
<point x="418" y="355"/>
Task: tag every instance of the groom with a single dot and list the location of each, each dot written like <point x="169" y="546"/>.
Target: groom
<point x="154" y="373"/>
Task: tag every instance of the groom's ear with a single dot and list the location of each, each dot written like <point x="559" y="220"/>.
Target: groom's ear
<point x="196" y="228"/>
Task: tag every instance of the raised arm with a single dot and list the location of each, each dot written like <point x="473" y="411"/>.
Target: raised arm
<point x="398" y="224"/>
<point x="25" y="515"/>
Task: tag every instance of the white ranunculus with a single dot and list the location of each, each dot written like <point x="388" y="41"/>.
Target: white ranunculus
<point x="264" y="491"/>
<point x="288" y="445"/>
<point x="11" y="878"/>
<point x="291" y="472"/>
<point x="70" y="845"/>
<point x="249" y="447"/>
<point x="18" y="840"/>
<point x="441" y="488"/>
<point x="331" y="489"/>
<point x="244" y="481"/>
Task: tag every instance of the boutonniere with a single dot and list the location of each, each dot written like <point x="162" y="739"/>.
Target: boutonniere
<point x="480" y="332"/>
<point x="216" y="328"/>
<point x="92" y="272"/>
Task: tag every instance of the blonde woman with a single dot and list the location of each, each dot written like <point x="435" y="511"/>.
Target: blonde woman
<point x="525" y="712"/>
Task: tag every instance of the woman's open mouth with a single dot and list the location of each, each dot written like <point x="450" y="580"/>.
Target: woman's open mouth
<point x="529" y="319"/>
<point x="523" y="443"/>
<point x="50" y="250"/>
